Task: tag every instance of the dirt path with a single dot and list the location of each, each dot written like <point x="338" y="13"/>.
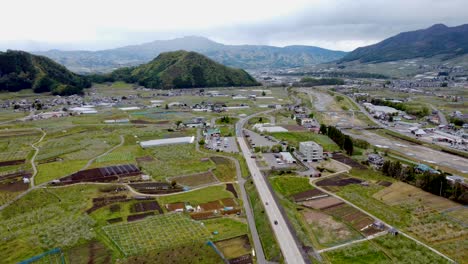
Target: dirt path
<point x="33" y="159"/>
<point x="122" y="141"/>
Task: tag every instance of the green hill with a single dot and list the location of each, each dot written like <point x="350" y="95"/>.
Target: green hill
<point x="21" y="70"/>
<point x="183" y="69"/>
<point x="438" y="40"/>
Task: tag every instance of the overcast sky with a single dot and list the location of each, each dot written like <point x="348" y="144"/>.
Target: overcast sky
<point x="334" y="24"/>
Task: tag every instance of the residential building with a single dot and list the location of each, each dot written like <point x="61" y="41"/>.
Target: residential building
<point x="287" y="157"/>
<point x="310" y="151"/>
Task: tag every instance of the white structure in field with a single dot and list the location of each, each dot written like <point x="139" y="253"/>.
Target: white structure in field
<point x="287" y="157"/>
<point x="167" y="141"/>
<point x="310" y="151"/>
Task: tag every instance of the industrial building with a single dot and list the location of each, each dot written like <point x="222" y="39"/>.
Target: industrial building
<point x="310" y="151"/>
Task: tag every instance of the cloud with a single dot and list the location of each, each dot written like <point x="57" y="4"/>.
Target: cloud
<point x="335" y="24"/>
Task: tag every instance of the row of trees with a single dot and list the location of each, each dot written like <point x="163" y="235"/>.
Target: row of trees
<point x="417" y="111"/>
<point x="343" y="141"/>
<point x="431" y="182"/>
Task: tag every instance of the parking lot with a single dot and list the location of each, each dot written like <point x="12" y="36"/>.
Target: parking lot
<point x="225" y="144"/>
<point x="257" y="140"/>
<point x="274" y="160"/>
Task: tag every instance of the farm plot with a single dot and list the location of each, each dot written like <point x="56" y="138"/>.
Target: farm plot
<point x="225" y="169"/>
<point x="156" y="233"/>
<point x="235" y="247"/>
<point x="15" y="155"/>
<point x="357" y="219"/>
<point x="327" y="231"/>
<point x="195" y="180"/>
<point x="348" y="161"/>
<point x="323" y="203"/>
<point x="176" y="160"/>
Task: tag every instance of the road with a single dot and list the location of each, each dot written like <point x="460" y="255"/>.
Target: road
<point x="405" y="148"/>
<point x="259" y="254"/>
<point x="287" y="243"/>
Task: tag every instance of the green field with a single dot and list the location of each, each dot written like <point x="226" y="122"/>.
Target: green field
<point x="289" y="185"/>
<point x="156" y="233"/>
<point x="204" y="195"/>
<point x="226" y="228"/>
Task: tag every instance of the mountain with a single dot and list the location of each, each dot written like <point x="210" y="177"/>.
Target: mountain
<point x="183" y="69"/>
<point x="241" y="56"/>
<point x="436" y="40"/>
<point x="21" y="70"/>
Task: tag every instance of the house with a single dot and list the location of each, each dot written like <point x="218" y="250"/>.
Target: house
<point x="189" y="208"/>
<point x="310" y="151"/>
<point x="213" y="132"/>
<point x="287" y="157"/>
<point x="419" y="132"/>
<point x="452" y="179"/>
<point x="209" y="206"/>
<point x="375" y="159"/>
<point x="421" y="168"/>
<point x="175" y="207"/>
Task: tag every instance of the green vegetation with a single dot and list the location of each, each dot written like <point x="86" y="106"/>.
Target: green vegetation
<point x="309" y="81"/>
<point x="225" y="169"/>
<point x="269" y="244"/>
<point x="182" y="69"/>
<point x="21" y="70"/>
<point x="293" y="138"/>
<point x="226" y="228"/>
<point x="384" y="249"/>
<point x="416" y="109"/>
<point x="289" y="185"/>
<point x="204" y="195"/>
<point x="55" y="170"/>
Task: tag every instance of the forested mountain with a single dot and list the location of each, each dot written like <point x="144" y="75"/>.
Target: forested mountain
<point x="241" y="56"/>
<point x="436" y="40"/>
<point x="21" y="70"/>
<point x="182" y="69"/>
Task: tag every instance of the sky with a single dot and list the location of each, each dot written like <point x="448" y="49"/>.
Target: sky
<point x="333" y="24"/>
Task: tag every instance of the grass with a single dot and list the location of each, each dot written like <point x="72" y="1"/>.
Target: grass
<point x="289" y="185"/>
<point x="54" y="170"/>
<point x="92" y="252"/>
<point x="225" y="169"/>
<point x="156" y="233"/>
<point x="204" y="195"/>
<point x="268" y="240"/>
<point x="234" y="247"/>
<point x="226" y="228"/>
<point x="173" y="160"/>
<point x="364" y="253"/>
<point x="294" y="138"/>
<point x="45" y="219"/>
<point x="195" y="180"/>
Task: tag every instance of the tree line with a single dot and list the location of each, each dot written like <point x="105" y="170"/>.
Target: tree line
<point x="343" y="141"/>
<point x="428" y="181"/>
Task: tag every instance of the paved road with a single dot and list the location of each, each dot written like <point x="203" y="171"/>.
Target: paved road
<point x="289" y="248"/>
<point x="259" y="254"/>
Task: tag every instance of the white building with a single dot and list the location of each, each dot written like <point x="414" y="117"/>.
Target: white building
<point x="167" y="141"/>
<point x="287" y="157"/>
<point x="310" y="151"/>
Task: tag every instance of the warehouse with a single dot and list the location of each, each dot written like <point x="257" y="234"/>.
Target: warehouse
<point x="167" y="141"/>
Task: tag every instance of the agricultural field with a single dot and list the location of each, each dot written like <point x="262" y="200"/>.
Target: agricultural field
<point x="195" y="180"/>
<point x="156" y="233"/>
<point x="226" y="228"/>
<point x="235" y="247"/>
<point x="225" y="169"/>
<point x="204" y="195"/>
<point x="173" y="160"/>
<point x="289" y="185"/>
<point x="92" y="252"/>
<point x="409" y="209"/>
<point x="384" y="249"/>
<point x="293" y="138"/>
<point x="45" y="219"/>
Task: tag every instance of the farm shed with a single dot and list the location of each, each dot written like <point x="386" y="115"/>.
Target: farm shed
<point x="167" y="141"/>
<point x="209" y="206"/>
<point x="104" y="174"/>
<point x="287" y="157"/>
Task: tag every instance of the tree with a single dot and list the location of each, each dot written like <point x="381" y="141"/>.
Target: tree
<point x="348" y="145"/>
<point x="166" y="107"/>
<point x="311" y="115"/>
<point x="386" y="167"/>
<point x="201" y="142"/>
<point x="263" y="93"/>
<point x="177" y="123"/>
<point x="323" y="129"/>
<point x="260" y="119"/>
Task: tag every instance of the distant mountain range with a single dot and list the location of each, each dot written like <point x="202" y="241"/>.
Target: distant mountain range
<point x="240" y="56"/>
<point x="21" y="70"/>
<point x="438" y="40"/>
<point x="180" y="69"/>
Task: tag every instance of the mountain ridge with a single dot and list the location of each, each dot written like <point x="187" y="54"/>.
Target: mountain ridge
<point x="438" y="39"/>
<point x="240" y="56"/>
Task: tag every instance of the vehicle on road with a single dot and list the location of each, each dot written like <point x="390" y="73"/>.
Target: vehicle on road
<point x="276" y="222"/>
